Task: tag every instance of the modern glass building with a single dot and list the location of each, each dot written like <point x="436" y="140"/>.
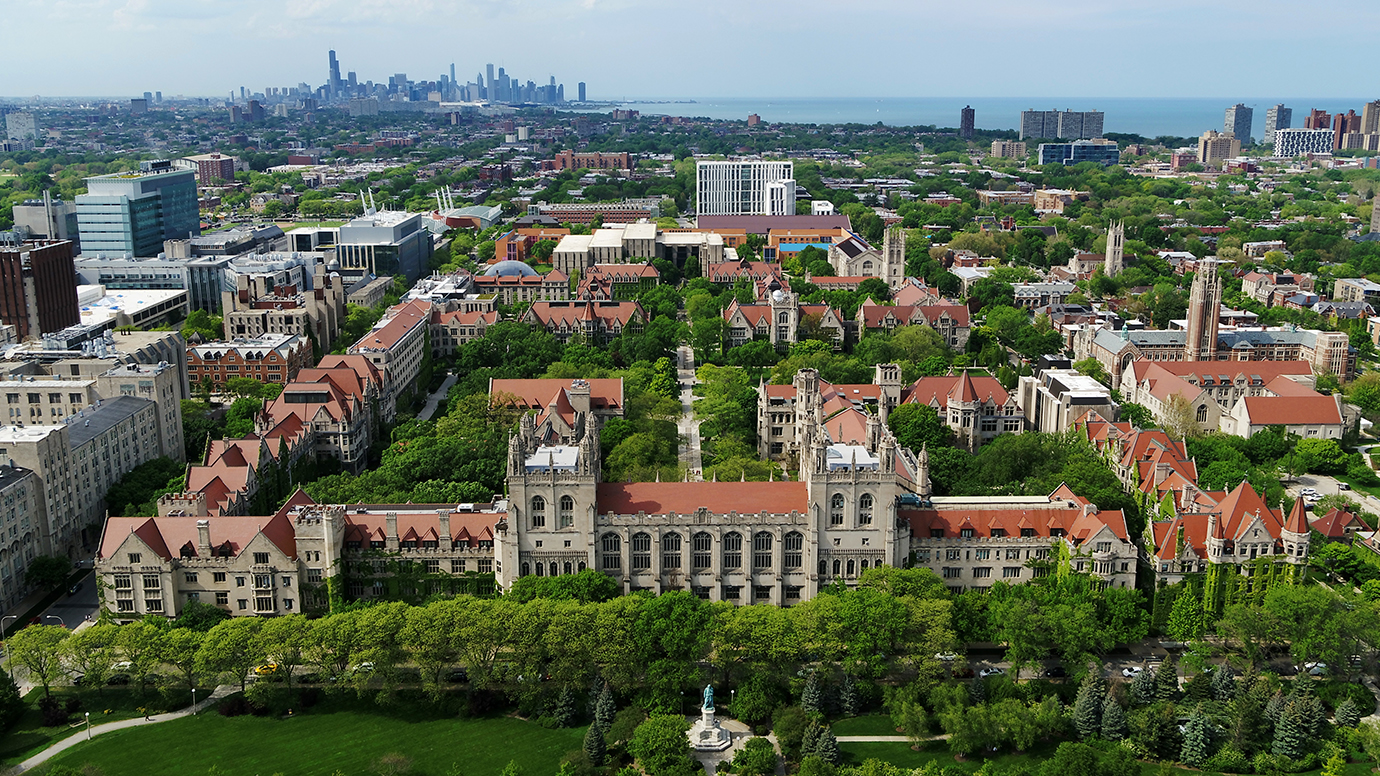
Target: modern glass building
<point x="1080" y="151"/>
<point x="132" y="213"/>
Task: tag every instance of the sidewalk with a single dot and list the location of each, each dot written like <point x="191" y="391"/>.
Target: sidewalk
<point x="434" y="400"/>
<point x="109" y="727"/>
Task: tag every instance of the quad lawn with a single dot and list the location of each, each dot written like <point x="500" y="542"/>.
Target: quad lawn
<point x="29" y="736"/>
<point x="870" y="725"/>
<point x="346" y="737"/>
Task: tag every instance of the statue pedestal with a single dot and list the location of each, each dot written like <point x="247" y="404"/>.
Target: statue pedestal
<point x="706" y="735"/>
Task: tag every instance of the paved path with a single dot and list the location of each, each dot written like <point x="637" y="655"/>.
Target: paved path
<point x="96" y="730"/>
<point x="688" y="427"/>
<point x="434" y="400"/>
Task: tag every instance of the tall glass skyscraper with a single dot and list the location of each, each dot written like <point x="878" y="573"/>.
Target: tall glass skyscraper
<point x="132" y="213"/>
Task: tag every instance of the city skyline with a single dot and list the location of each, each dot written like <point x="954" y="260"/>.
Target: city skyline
<point x="283" y="43"/>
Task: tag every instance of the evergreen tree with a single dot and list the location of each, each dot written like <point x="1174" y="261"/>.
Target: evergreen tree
<point x="827" y="747"/>
<point x="11" y="704"/>
<point x="810" y="742"/>
<point x="1291" y="739"/>
<point x="1167" y="680"/>
<point x="1347" y="715"/>
<point x="812" y="697"/>
<point x="1223" y="684"/>
<point x="1274" y="707"/>
<point x="1143" y="688"/>
<point x="1087" y="709"/>
<point x="595" y="748"/>
<point x="848" y="696"/>
<point x="1197" y="740"/>
<point x="563" y="714"/>
<point x="606" y="708"/>
<point x="1312" y="715"/>
<point x="977" y="690"/>
<point x="1113" y="720"/>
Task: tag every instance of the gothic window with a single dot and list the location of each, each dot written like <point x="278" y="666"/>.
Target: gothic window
<point x="867" y="267"/>
<point x="836" y="509"/>
<point x="794" y="542"/>
<point x="526" y="569"/>
<point x="761" y="551"/>
<point x="612" y="546"/>
<point x="865" y="509"/>
<point x="641" y="552"/>
<point x="733" y="550"/>
<point x="783" y="318"/>
<point x="838" y="567"/>
<point x="850" y="568"/>
<point x="555" y="569"/>
<point x="541" y="569"/>
<point x="538" y="512"/>
<point x="823" y="567"/>
<point x="1202" y="414"/>
<point x="670" y="552"/>
<point x="701" y="546"/>
<point x="567" y="511"/>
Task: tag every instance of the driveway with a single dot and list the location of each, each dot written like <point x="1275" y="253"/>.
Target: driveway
<point x="1329" y="486"/>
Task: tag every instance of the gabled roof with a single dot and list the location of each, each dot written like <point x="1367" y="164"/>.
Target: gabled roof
<point x="537" y="394"/>
<point x="1337" y="523"/>
<point x="168" y="536"/>
<point x="1292" y="410"/>
<point x="936" y="391"/>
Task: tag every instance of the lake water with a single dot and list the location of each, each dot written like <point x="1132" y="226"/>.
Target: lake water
<point x="1146" y="116"/>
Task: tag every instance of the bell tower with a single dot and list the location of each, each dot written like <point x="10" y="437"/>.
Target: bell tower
<point x="1116" y="246"/>
<point x="1204" y="302"/>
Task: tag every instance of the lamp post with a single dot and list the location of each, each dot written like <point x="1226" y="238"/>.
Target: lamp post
<point x="88" y="726"/>
<point x="193" y="701"/>
<point x="731" y="708"/>
<point x="55" y="617"/>
<point x="682" y="702"/>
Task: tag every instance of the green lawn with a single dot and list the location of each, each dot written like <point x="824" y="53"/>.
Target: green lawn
<point x="347" y="738"/>
<point x="29" y="736"/>
<point x="871" y="725"/>
<point x="309" y="224"/>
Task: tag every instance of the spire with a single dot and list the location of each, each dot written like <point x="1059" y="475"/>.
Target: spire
<point x="1298" y="518"/>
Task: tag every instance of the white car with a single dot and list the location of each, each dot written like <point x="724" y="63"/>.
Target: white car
<point x="993" y="671"/>
<point x="1308" y="491"/>
<point x="1314" y="669"/>
<point x="947" y="657"/>
<point x="1132" y="672"/>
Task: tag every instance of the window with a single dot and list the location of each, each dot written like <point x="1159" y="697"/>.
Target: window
<point x="795" y="543"/>
<point x="670" y="552"/>
<point x="733" y="550"/>
<point x="126" y="605"/>
<point x="951" y="573"/>
<point x="1027" y="532"/>
<point x="1104" y="547"/>
<point x="701" y="547"/>
<point x="1010" y="572"/>
<point x="153" y="604"/>
<point x="218" y="576"/>
<point x="314" y="576"/>
<point x="865" y="509"/>
<point x="457" y="566"/>
<point x="612" y="545"/>
<point x="761" y="593"/>
<point x="261" y="559"/>
<point x="982" y="572"/>
<point x="432" y="567"/>
<point x="1013" y="554"/>
<point x="1202" y="413"/>
<point x="239" y="581"/>
<point x="194" y="597"/>
<point x="263" y="581"/>
<point x="151" y="582"/>
<point x="936" y="533"/>
<point x="836" y="509"/>
<point x="998" y="533"/>
<point x="966" y="533"/>
<point x="761" y="551"/>
<point x="133" y="558"/>
<point x="538" y="512"/>
<point x="567" y="511"/>
<point x="983" y="554"/>
<point x="287" y="581"/>
<point x="641" y="552"/>
<point x="732" y="592"/>
<point x="122" y="582"/>
<point x="287" y="604"/>
<point x="263" y="603"/>
<point x="222" y="599"/>
<point x="190" y="576"/>
<point x="486" y="566"/>
<point x="953" y="554"/>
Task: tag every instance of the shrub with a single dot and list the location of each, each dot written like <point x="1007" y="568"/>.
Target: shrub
<point x="234" y="706"/>
<point x="53" y="712"/>
<point x="1228" y="760"/>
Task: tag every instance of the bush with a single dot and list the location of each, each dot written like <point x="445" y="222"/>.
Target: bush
<point x="53" y="712"/>
<point x="1228" y="759"/>
<point x="1332" y="693"/>
<point x="235" y="706"/>
<point x="72" y="705"/>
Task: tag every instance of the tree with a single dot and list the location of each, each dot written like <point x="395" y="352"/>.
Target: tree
<point x="1223" y="684"/>
<point x="594" y="746"/>
<point x="199" y="617"/>
<point x="180" y="649"/>
<point x="1291" y="737"/>
<point x="757" y="757"/>
<point x="142" y="645"/>
<point x="827" y="747"/>
<point x="789" y="724"/>
<point x="813" y="765"/>
<point x="664" y="378"/>
<point x="283" y="640"/>
<point x="39" y="649"/>
<point x="1197" y="740"/>
<point x="1180" y="419"/>
<point x="918" y="425"/>
<point x="812" y="696"/>
<point x="848" y="695"/>
<point x="1167" y="680"/>
<point x="1094" y="369"/>
<point x="1320" y="456"/>
<point x="1347" y="715"/>
<point x="12" y="706"/>
<point x="231" y="647"/>
<point x="990" y="292"/>
<point x="91" y="653"/>
<point x="915" y="722"/>
<point x="1186" y="618"/>
<point x="1088" y="707"/>
<point x="660" y="746"/>
<point x="605" y="708"/>
<point x="1113" y="720"/>
<point x="48" y="572"/>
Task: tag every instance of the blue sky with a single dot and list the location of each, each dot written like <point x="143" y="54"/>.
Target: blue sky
<point x="701" y="48"/>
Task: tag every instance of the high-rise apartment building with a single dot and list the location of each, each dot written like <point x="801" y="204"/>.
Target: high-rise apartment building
<point x="1318" y="119"/>
<point x="21" y="126"/>
<point x="212" y="169"/>
<point x="1238" y="122"/>
<point x="1067" y="124"/>
<point x="1370" y="118"/>
<point x="138" y="106"/>
<point x="1217" y="147"/>
<point x="1008" y="149"/>
<point x="582" y="91"/>
<point x="134" y="212"/>
<point x="1276" y="118"/>
<point x="965" y="122"/>
<point x="1342" y="125"/>
<point x="1100" y="151"/>
<point x="38" y="287"/>
<point x="741" y="187"/>
<point x="1296" y="142"/>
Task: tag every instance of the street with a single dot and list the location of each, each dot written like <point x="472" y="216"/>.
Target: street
<point x="74" y="609"/>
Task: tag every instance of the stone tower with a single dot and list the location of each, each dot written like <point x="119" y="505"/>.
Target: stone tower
<point x="1116" y="245"/>
<point x="894" y="256"/>
<point x="1203" y="311"/>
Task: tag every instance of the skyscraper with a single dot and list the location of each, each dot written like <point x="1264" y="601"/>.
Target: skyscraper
<point x="582" y="91"/>
<point x="1238" y="122"/>
<point x="1318" y="119"/>
<point x="38" y="287"/>
<point x="1276" y="118"/>
<point x="1342" y="124"/>
<point x="733" y="188"/>
<point x="490" y="85"/>
<point x="1370" y="118"/>
<point x="965" y="123"/>
<point x="333" y="85"/>
<point x="1073" y="125"/>
<point x="453" y="84"/>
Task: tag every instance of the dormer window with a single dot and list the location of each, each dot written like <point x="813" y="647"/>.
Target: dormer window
<point x="966" y="533"/>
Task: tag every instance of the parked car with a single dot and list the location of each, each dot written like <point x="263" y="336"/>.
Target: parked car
<point x="458" y="675"/>
<point x="117" y="680"/>
<point x="1343" y="486"/>
<point x="993" y="671"/>
<point x="364" y="668"/>
<point x="266" y="669"/>
<point x="1313" y="669"/>
<point x="1132" y="672"/>
<point x="1056" y="672"/>
<point x="73" y="590"/>
<point x="947" y="657"/>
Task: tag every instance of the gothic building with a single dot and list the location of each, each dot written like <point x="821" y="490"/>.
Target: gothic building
<point x="852" y="256"/>
<point x="1114" y="262"/>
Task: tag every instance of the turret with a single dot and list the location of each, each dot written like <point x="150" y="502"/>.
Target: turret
<point x="1295" y="534"/>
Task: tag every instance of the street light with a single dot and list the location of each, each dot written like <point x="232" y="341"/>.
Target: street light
<point x="88" y="726"/>
<point x="194" y="701"/>
<point x="55" y="617"/>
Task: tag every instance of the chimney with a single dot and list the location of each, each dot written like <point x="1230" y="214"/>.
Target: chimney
<point x="443" y="538"/>
<point x="391" y="538"/>
<point x="203" y="538"/>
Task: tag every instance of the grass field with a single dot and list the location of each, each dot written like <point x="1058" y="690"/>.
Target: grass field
<point x="29" y="735"/>
<point x="347" y="739"/>
<point x="870" y="725"/>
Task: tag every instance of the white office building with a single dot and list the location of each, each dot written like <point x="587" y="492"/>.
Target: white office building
<point x="732" y="188"/>
<point x="1296" y="142"/>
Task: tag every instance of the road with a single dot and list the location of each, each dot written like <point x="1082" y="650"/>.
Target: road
<point x="434" y="400"/>
<point x="688" y="427"/>
<point x="74" y="609"/>
<point x="1328" y="486"/>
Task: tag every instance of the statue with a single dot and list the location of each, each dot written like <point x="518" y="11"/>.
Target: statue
<point x="709" y="697"/>
<point x="706" y="735"/>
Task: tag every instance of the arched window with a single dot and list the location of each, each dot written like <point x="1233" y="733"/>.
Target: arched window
<point x="1202" y="413"/>
<point x="794" y="544"/>
<point x="582" y="566"/>
<point x="641" y="552"/>
<point x="733" y="550"/>
<point x="836" y="509"/>
<point x="761" y="551"/>
<point x="566" y="568"/>
<point x="823" y="567"/>
<point x="612" y="546"/>
<point x="567" y="511"/>
<point x="865" y="509"/>
<point x="862" y="565"/>
<point x="541" y="569"/>
<point x="555" y="572"/>
<point x="526" y="569"/>
<point x="838" y="567"/>
<point x="867" y="267"/>
<point x="538" y="512"/>
<point x="783" y="318"/>
<point x="701" y="545"/>
<point x="670" y="552"/>
<point x="850" y="568"/>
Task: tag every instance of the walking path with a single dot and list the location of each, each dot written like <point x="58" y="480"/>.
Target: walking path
<point x="109" y="727"/>
<point x="688" y="427"/>
<point x="434" y="400"/>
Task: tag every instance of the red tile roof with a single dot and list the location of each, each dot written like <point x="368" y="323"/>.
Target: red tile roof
<point x="1292" y="410"/>
<point x="1337" y="522"/>
<point x="936" y="391"/>
<point x="538" y="394"/>
<point x="169" y="536"/>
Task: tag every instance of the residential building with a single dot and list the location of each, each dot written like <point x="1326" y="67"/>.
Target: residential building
<point x="24" y="522"/>
<point x="570" y="160"/>
<point x="596" y="322"/>
<point x="271" y="357"/>
<point x="259" y="306"/>
<point x="214" y="169"/>
<point x="1053" y="200"/>
<point x="1008" y="149"/>
<point x="396" y="346"/>
<point x="21" y="126"/>
<point x="1055" y="398"/>
<point x="976" y="408"/>
<point x="1343" y="125"/>
<point x="1068" y="124"/>
<point x="1104" y="152"/>
<point x="516" y="284"/>
<point x="1227" y="529"/>
<point x="965" y="122"/>
<point x="950" y="321"/>
<point x="1356" y="290"/>
<point x="782" y="320"/>
<point x="450" y="329"/>
<point x="617" y="281"/>
<point x="1033" y="295"/>
<point x="1214" y="148"/>
<point x="38" y="289"/>
<point x="1238" y="122"/>
<point x="741" y="187"/>
<point x="1276" y="118"/>
<point x="1290" y="143"/>
<point x="1004" y="198"/>
<point x="332" y="406"/>
<point x="132" y="213"/>
<point x="1318" y="119"/>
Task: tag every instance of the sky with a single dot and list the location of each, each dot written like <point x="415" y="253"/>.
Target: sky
<point x="699" y="48"/>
